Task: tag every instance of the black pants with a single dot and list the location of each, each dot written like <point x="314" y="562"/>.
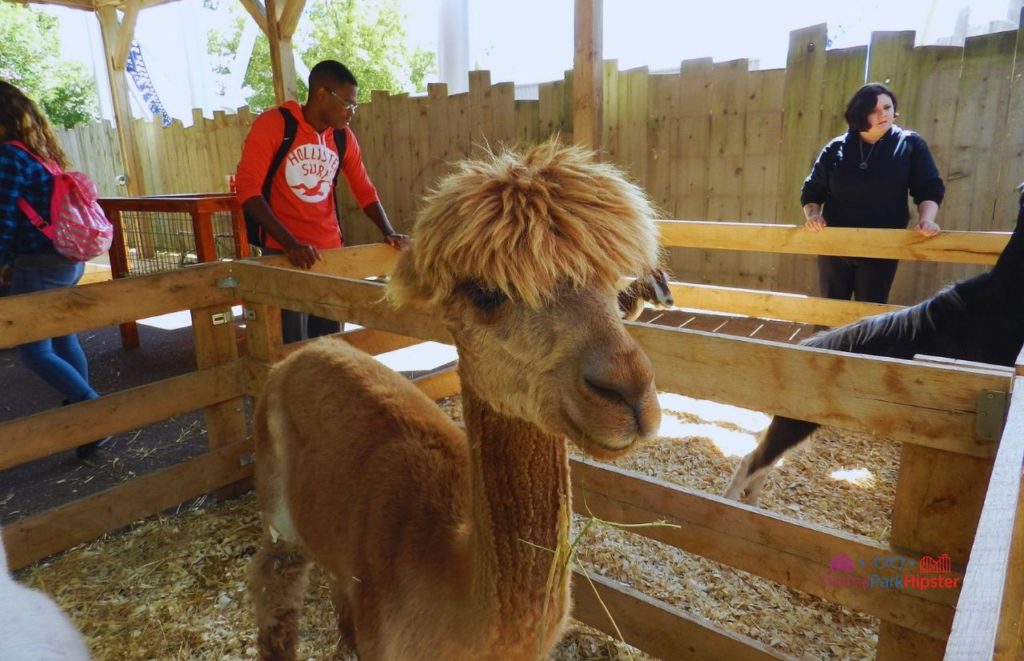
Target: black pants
<point x="298" y="326"/>
<point x="867" y="279"/>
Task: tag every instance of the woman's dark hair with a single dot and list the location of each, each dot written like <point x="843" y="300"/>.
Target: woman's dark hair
<point x="863" y="103"/>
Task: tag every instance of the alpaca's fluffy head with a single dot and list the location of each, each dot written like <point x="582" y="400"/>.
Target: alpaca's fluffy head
<point x="527" y="223"/>
<point x="523" y="255"/>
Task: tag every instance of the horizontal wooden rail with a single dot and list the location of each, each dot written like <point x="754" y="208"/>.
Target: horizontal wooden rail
<point x="765" y="544"/>
<point x="956" y="247"/>
<point x="374" y="259"/>
<point x="656" y="627"/>
<point x="929" y="404"/>
<point x="57" y="312"/>
<point x="37" y="537"/>
<point x="334" y="297"/>
<point x="42" y="434"/>
<point x="769" y="545"/>
<point x="987" y="623"/>
<point x="774" y="305"/>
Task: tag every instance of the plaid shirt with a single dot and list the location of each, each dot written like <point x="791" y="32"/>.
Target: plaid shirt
<point x="22" y="177"/>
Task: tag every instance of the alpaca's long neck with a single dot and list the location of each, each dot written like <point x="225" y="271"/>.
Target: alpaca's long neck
<point x="521" y="509"/>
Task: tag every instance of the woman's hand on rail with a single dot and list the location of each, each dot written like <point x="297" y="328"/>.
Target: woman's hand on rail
<point x="927" y="227"/>
<point x="815" y="223"/>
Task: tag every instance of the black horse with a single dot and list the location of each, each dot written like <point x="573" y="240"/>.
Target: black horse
<point x="978" y="319"/>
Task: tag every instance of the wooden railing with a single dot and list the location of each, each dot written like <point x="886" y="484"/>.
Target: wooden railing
<point x="931" y="406"/>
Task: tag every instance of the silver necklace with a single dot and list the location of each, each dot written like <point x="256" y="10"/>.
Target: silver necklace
<point x="864" y="161"/>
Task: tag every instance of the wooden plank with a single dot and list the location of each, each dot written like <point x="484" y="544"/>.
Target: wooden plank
<point x="773" y="305"/>
<point x="759" y="195"/>
<point x="588" y="72"/>
<point x="335" y="297"/>
<point x="690" y="150"/>
<point x="766" y="544"/>
<point x="725" y="163"/>
<point x="37" y="537"/>
<point x="932" y="92"/>
<point x="891" y="53"/>
<point x="420" y="160"/>
<point x="610" y="110"/>
<point x="34" y="436"/>
<point x="661" y="125"/>
<point x="31" y="317"/>
<point x="481" y="115"/>
<point x="982" y="98"/>
<point x="803" y="139"/>
<point x="844" y="74"/>
<point x="1009" y="149"/>
<point x="927" y="404"/>
<point x="988" y="613"/>
<point x="367" y="261"/>
<point x="960" y="247"/>
<point x="633" y="112"/>
<point x="655" y="627"/>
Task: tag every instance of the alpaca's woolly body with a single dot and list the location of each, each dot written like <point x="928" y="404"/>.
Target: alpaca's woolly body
<point x="439" y="543"/>
<point x="32" y="627"/>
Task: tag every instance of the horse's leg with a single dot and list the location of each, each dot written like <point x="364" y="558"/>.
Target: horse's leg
<point x="277" y="584"/>
<point x="781" y="435"/>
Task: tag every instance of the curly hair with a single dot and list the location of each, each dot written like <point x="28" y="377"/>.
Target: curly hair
<point x="863" y="103"/>
<point x="21" y="119"/>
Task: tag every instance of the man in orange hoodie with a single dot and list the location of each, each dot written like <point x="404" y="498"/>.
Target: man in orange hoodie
<point x="299" y="218"/>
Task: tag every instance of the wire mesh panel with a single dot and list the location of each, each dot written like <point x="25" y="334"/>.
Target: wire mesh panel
<point x="156" y="234"/>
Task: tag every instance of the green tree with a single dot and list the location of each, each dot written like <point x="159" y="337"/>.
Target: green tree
<point x="368" y="38"/>
<point x="30" y="59"/>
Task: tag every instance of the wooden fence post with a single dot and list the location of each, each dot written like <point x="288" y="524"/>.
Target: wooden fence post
<point x="213" y="332"/>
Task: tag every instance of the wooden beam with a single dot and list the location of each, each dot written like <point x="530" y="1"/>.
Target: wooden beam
<point x="291" y="12"/>
<point x="780" y="549"/>
<point x="86" y="519"/>
<point x="366" y="261"/>
<point x="282" y="57"/>
<point x="34" y="436"/>
<point x="988" y="614"/>
<point x="258" y="13"/>
<point x="113" y="37"/>
<point x="928" y="404"/>
<point x="588" y="73"/>
<point x="125" y="34"/>
<point x="958" y="247"/>
<point x="74" y="309"/>
<point x="774" y="305"/>
<point x="655" y="627"/>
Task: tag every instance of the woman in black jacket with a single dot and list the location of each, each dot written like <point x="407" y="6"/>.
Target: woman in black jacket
<point x="861" y="179"/>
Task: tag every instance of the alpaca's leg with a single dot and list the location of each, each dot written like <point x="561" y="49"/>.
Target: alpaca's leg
<point x="277" y="585"/>
<point x="781" y="435"/>
<point x="343" y="613"/>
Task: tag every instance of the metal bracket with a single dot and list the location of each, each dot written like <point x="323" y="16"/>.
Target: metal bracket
<point x="991" y="415"/>
<point x="220" y="318"/>
<point x="250" y="314"/>
<point x="230" y="282"/>
<point x="247" y="459"/>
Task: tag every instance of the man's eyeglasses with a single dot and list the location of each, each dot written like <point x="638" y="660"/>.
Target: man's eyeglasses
<point x="344" y="104"/>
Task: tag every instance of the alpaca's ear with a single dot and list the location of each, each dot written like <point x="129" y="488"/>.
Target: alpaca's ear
<point x="405" y="284"/>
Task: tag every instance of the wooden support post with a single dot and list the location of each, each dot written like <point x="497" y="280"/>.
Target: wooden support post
<point x="202" y="232"/>
<point x="213" y="331"/>
<point x="588" y="74"/>
<point x="939" y="497"/>
<point x="119" y="268"/>
<point x="117" y="37"/>
<point x="263" y="331"/>
<point x="282" y="57"/>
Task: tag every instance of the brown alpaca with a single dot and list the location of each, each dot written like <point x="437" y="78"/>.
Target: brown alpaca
<point x="442" y="543"/>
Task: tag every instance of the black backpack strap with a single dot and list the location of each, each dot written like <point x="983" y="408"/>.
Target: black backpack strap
<point x="340" y="142"/>
<point x="291" y="128"/>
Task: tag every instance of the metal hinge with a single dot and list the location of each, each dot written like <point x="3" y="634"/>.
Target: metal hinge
<point x="220" y="318"/>
<point x="991" y="416"/>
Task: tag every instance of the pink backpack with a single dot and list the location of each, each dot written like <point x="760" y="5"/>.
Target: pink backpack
<point x="78" y="227"/>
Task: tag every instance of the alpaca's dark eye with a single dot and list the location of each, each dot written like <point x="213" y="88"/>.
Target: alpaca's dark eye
<point x="483" y="298"/>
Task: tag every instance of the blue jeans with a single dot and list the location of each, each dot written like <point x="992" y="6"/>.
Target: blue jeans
<point x="60" y="361"/>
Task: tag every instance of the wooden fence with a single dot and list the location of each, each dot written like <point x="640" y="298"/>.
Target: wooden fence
<point x="949" y="478"/>
<point x="715" y="141"/>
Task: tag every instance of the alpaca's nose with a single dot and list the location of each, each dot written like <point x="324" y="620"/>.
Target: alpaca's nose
<point x="623" y="377"/>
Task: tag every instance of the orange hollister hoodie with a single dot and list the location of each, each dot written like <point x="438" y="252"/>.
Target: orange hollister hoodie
<point x="301" y="194"/>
